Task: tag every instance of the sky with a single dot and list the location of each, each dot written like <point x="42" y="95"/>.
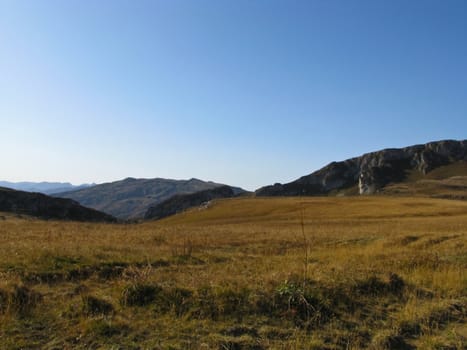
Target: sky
<point x="244" y="92"/>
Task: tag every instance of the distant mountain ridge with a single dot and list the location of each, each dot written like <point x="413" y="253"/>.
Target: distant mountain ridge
<point x="131" y="198"/>
<point x="372" y="172"/>
<point x="46" y="207"/>
<point x="43" y="187"/>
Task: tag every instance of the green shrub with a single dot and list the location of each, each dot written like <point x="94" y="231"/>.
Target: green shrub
<point x="304" y="303"/>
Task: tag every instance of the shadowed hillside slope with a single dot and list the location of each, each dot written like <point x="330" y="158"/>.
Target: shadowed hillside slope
<point x="42" y="206"/>
<point x="181" y="202"/>
<point x="130" y="198"/>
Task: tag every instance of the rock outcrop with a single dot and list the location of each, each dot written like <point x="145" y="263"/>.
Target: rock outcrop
<point x="372" y="171"/>
<point x="180" y="203"/>
<point x="45" y="207"/>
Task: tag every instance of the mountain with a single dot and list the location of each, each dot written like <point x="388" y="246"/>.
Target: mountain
<point x="43" y="206"/>
<point x="130" y="198"/>
<point x="43" y="187"/>
<point x="182" y="202"/>
<point x="380" y="171"/>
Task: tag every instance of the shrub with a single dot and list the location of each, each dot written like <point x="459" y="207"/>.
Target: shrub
<point x="305" y="304"/>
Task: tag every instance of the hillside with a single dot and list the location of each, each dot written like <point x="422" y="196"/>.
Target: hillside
<point x="370" y="272"/>
<point x="372" y="172"/>
<point x="43" y="206"/>
<point x="43" y="187"/>
<point x="181" y="202"/>
<point x="131" y="198"/>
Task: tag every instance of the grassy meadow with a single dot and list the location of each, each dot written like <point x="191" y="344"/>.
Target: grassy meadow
<point x="248" y="273"/>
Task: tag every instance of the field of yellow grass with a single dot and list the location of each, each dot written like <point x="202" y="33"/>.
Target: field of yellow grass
<point x="248" y="273"/>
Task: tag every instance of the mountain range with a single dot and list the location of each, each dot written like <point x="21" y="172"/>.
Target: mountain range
<point x="43" y="187"/>
<point x="131" y="198"/>
<point x="436" y="169"/>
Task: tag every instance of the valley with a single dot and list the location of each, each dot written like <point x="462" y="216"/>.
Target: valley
<point x="372" y="272"/>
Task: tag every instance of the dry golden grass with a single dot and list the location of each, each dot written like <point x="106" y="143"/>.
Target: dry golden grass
<point x="248" y="273"/>
<point x="449" y="182"/>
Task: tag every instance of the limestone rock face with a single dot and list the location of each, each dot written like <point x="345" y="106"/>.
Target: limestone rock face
<point x="372" y="171"/>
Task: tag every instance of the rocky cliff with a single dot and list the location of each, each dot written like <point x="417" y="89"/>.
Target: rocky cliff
<point x="373" y="171"/>
<point x="179" y="203"/>
<point x="42" y="206"/>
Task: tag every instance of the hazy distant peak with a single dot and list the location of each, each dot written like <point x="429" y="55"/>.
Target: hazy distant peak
<point x="44" y="187"/>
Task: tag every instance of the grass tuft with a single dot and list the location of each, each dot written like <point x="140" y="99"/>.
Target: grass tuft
<point x="93" y="306"/>
<point x="19" y="300"/>
<point x="139" y="294"/>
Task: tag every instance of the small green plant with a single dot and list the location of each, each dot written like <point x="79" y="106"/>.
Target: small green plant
<point x="291" y="292"/>
<point x="303" y="303"/>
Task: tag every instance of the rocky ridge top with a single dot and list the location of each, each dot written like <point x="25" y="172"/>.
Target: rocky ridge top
<point x="372" y="171"/>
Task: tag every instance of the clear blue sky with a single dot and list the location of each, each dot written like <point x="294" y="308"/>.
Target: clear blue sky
<point x="242" y="92"/>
